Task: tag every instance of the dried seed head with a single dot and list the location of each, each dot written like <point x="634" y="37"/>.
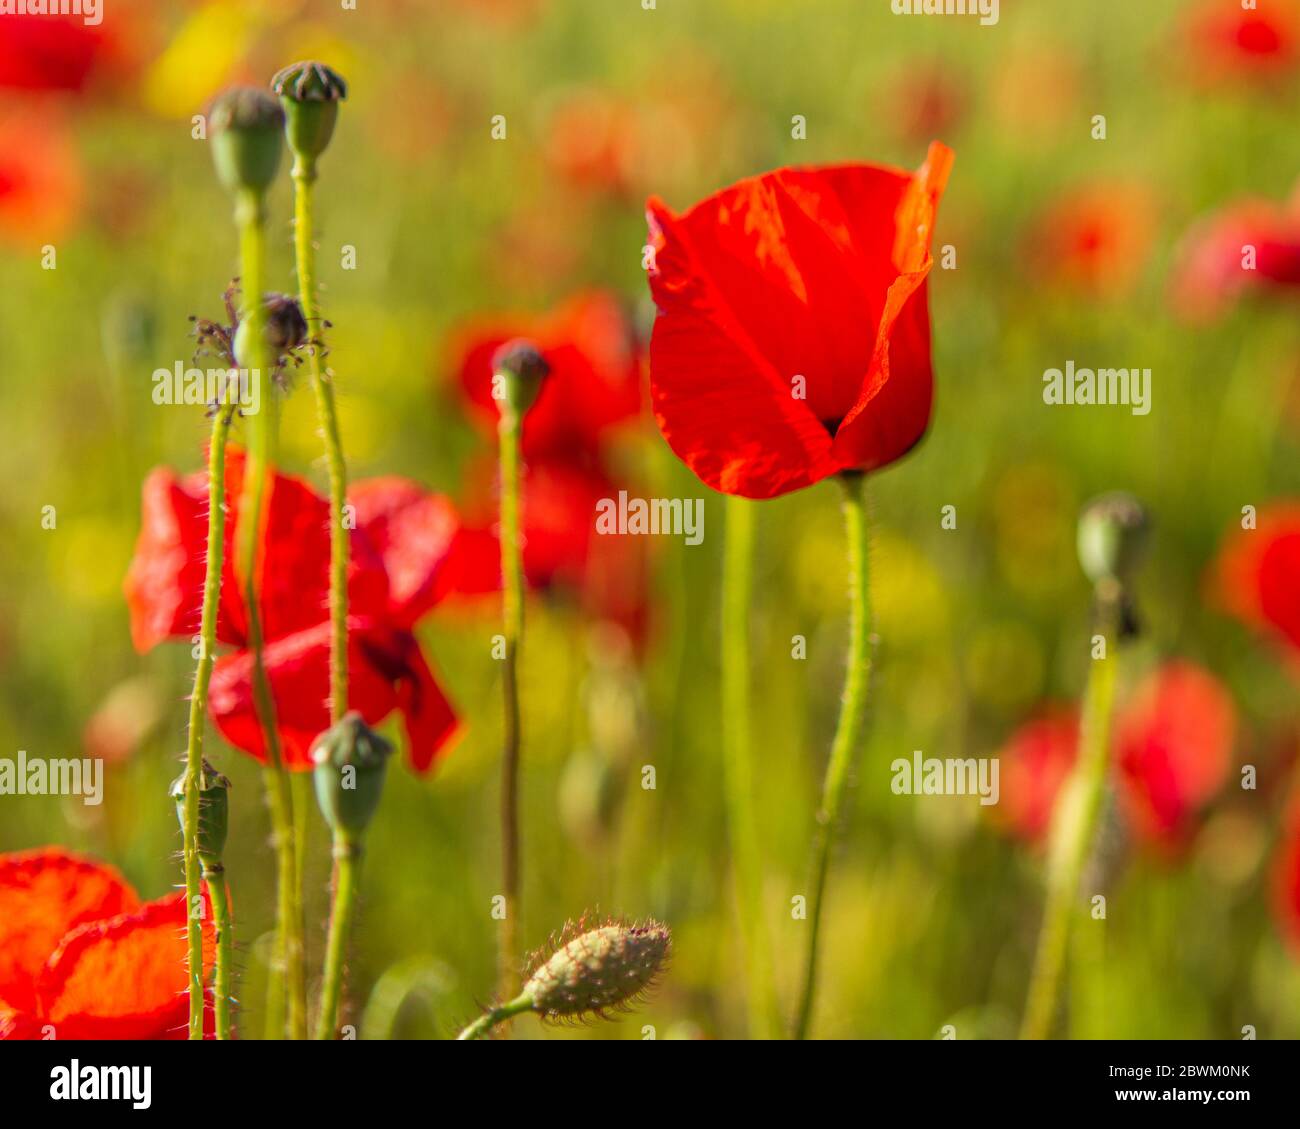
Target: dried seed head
<point x="590" y="971"/>
<point x="246" y="138"/>
<point x="310" y="93"/>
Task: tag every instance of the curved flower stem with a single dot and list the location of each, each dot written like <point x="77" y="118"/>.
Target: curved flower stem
<point x="512" y="615"/>
<point x="198" y="706"/>
<point x="253" y="503"/>
<point x="844" y="745"/>
<point x="738" y="764"/>
<point x="485" y="1022"/>
<point x="347" y="861"/>
<point x="1074" y="825"/>
<point x="304" y="179"/>
<point x="215" y="877"/>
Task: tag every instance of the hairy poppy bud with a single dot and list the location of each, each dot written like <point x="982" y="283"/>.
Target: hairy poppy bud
<point x="310" y="93"/>
<point x="597" y="969"/>
<point x="246" y="138"/>
<point x="522" y="368"/>
<point x="214" y="813"/>
<point x="1112" y="537"/>
<point x="284" y="325"/>
<point x="350" y="759"/>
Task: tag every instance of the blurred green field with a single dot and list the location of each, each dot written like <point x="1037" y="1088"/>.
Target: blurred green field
<point x="932" y="914"/>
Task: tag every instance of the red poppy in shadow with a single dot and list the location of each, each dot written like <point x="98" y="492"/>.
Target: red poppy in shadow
<point x="81" y="958"/>
<point x="400" y="546"/>
<point x="793" y="336"/>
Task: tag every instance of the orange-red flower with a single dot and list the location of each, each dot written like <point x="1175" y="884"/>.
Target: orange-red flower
<point x="400" y="550"/>
<point x="793" y="336"/>
<point x="81" y="958"/>
<point x="1258" y="572"/>
<point x="40" y="178"/>
<point x="1093" y="238"/>
<point x="53" y="52"/>
<point x="1228" y="41"/>
<point x="1172" y="751"/>
<point x="594" y="382"/>
<point x="1249" y="245"/>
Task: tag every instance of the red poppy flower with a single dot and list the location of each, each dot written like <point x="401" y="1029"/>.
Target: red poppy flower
<point x="793" y="336"/>
<point x="399" y="548"/>
<point x="40" y="179"/>
<point x="1173" y="749"/>
<point x="81" y="955"/>
<point x="594" y="383"/>
<point x="561" y="549"/>
<point x="1171" y="753"/>
<point x="1253" y="244"/>
<point x="1094" y="238"/>
<point x="1258" y="571"/>
<point x="1286" y="878"/>
<point x="1228" y="41"/>
<point x="52" y="52"/>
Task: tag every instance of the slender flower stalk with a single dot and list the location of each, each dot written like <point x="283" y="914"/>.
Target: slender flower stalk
<point x="198" y="708"/>
<point x="1112" y="539"/>
<point x="225" y="930"/>
<point x="518" y="372"/>
<point x="246" y="146"/>
<point x="847" y="730"/>
<point x="738" y="765"/>
<point x="351" y="760"/>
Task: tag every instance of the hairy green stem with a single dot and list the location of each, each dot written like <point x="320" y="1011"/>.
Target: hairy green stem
<point x="847" y="731"/>
<point x="738" y="765"/>
<point x="215" y="877"/>
<point x="198" y="706"/>
<point x="485" y="1022"/>
<point x="249" y="214"/>
<point x="1074" y="826"/>
<point x="347" y="861"/>
<point x="304" y="179"/>
<point x="512" y="615"/>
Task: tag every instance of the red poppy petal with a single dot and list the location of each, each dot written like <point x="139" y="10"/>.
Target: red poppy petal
<point x="386" y="670"/>
<point x="1034" y="765"/>
<point x="124" y="978"/>
<point x="412" y="532"/>
<point x="44" y="894"/>
<point x="1258" y="570"/>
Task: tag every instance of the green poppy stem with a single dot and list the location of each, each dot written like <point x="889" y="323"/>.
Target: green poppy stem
<point x="250" y="216"/>
<point x="198" y="708"/>
<point x="512" y="615"/>
<point x="738" y="766"/>
<point x="347" y="863"/>
<point x="485" y="1022"/>
<point x="215" y="877"/>
<point x="847" y="731"/>
<point x="1074" y="828"/>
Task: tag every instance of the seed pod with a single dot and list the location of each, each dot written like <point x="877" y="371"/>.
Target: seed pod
<point x="522" y="366"/>
<point x="310" y="93"/>
<point x="590" y="971"/>
<point x="247" y="125"/>
<point x="214" y="813"/>
<point x="1112" y="537"/>
<point x="350" y="760"/>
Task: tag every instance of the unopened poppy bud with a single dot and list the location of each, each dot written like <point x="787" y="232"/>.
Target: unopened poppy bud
<point x="598" y="969"/>
<point x="350" y="760"/>
<point x="310" y="93"/>
<point x="214" y="813"/>
<point x="247" y="126"/>
<point x="1112" y="537"/>
<point x="285" y="328"/>
<point x="520" y="367"/>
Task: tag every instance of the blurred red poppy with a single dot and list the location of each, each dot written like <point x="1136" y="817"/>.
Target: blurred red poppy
<point x="594" y="383"/>
<point x="562" y="552"/>
<point x="1094" y="238"/>
<point x="53" y="52"/>
<point x="1258" y="571"/>
<point x="1286" y="878"/>
<point x="1230" y="41"/>
<point x="81" y="958"/>
<point x="399" y="547"/>
<point x="1252" y="244"/>
<point x="793" y="336"/>
<point x="1172" y="750"/>
<point x="40" y="178"/>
